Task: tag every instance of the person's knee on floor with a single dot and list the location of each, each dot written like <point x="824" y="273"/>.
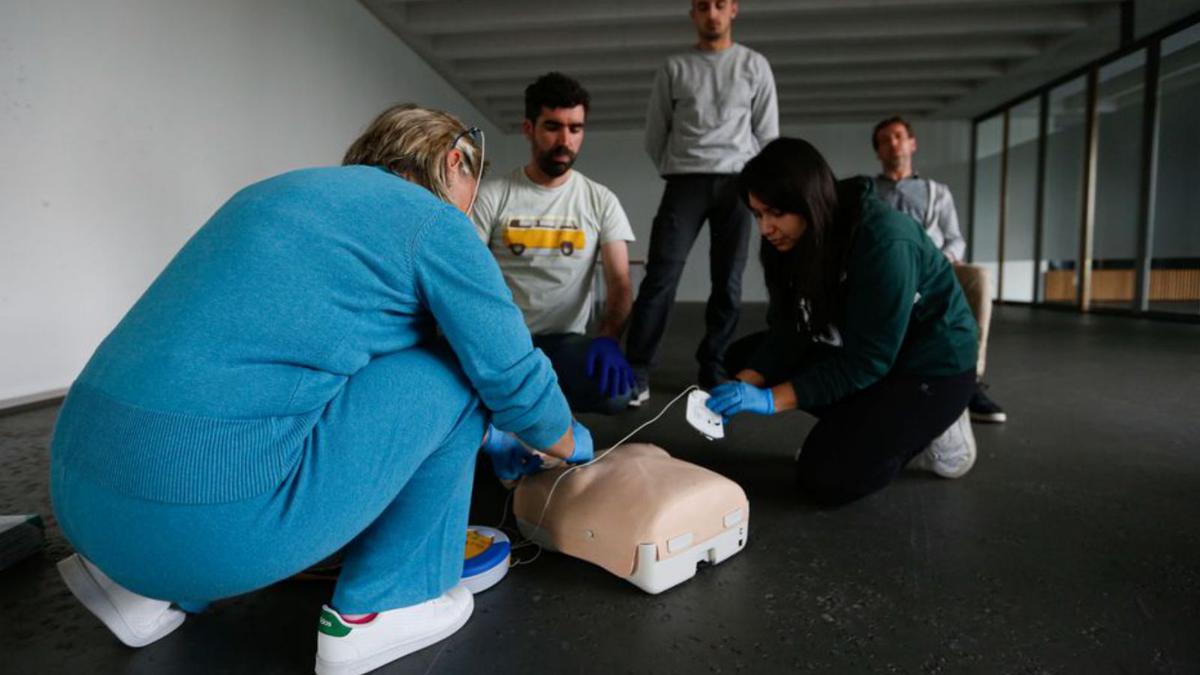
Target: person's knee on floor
<point x="878" y="344"/>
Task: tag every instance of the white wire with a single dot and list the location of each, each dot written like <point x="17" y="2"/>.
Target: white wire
<point x="576" y="467"/>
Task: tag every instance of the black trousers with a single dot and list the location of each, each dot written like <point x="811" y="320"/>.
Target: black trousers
<point x="568" y="356"/>
<point x="861" y="443"/>
<point x="687" y="201"/>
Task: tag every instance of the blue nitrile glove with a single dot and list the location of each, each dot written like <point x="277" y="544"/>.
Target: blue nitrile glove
<point x="731" y="398"/>
<point x="510" y="459"/>
<point x="607" y="365"/>
<point x="584" y="449"/>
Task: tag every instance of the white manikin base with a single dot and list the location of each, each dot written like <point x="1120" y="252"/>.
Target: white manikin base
<point x="655" y="576"/>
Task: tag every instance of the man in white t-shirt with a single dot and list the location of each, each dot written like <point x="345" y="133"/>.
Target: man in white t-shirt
<point x="548" y="226"/>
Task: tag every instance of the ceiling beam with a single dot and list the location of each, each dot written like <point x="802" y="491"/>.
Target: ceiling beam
<point x="626" y="62"/>
<point x="637" y="101"/>
<point x="785" y="121"/>
<point x="909" y="26"/>
<point x="885" y="105"/>
<point x="784" y="77"/>
<point x="487" y="16"/>
<point x="824" y="53"/>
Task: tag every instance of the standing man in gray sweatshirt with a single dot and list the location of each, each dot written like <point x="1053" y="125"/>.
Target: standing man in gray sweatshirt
<point x="711" y="110"/>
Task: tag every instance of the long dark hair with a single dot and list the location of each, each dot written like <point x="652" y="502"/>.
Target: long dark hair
<point x="791" y="176"/>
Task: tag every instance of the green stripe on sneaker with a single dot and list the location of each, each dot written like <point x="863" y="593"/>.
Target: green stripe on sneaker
<point x="331" y="624"/>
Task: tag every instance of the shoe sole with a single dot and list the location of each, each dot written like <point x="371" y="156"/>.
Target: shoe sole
<point x="959" y="473"/>
<point x="989" y="418"/>
<point x="637" y="401"/>
<point x="89" y="593"/>
<point x="366" y="665"/>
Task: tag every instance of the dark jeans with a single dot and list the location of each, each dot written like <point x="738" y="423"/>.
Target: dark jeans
<point x="863" y="441"/>
<point x="568" y="355"/>
<point x="687" y="201"/>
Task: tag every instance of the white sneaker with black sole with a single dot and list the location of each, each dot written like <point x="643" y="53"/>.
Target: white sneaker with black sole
<point x="952" y="454"/>
<point x="349" y="648"/>
<point x="135" y="619"/>
<point x="983" y="408"/>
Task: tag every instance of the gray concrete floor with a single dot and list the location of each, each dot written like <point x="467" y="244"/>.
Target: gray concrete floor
<point x="1072" y="547"/>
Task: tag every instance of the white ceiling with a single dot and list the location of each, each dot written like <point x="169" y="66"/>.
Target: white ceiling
<point x="834" y="60"/>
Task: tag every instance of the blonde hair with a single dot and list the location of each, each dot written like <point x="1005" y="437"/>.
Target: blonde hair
<point x="412" y="142"/>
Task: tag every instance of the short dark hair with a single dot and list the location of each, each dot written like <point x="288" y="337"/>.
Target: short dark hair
<point x="554" y="90"/>
<point x="895" y="119"/>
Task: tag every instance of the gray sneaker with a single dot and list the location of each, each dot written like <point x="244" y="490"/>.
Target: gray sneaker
<point x="952" y="454"/>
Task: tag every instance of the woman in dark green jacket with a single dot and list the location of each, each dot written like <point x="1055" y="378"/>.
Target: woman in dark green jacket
<point x="867" y="330"/>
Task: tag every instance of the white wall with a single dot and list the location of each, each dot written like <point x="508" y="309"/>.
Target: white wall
<point x="125" y="123"/>
<point x="617" y="160"/>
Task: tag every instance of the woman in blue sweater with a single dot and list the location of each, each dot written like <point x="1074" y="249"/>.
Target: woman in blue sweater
<point x="314" y="370"/>
<point x="867" y="330"/>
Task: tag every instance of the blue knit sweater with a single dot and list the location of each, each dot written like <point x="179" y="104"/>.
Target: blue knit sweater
<point x="207" y="389"/>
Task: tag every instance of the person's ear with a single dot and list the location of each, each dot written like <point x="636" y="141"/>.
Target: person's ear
<point x="454" y="160"/>
<point x="527" y="128"/>
<point x="733" y="10"/>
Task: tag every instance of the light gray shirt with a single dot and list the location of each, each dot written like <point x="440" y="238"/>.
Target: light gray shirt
<point x="929" y="203"/>
<point x="710" y="112"/>
<point x="547" y="241"/>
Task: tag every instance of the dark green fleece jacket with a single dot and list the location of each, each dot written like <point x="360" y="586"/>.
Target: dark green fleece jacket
<point x="901" y="312"/>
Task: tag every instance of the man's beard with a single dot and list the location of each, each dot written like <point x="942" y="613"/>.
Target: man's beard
<point x="712" y="34"/>
<point x="554" y="167"/>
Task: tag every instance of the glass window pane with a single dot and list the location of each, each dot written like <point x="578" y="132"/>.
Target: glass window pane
<point x="1175" y="244"/>
<point x="1118" y="181"/>
<point x="985" y="213"/>
<point x="1066" y="135"/>
<point x="1021" y="196"/>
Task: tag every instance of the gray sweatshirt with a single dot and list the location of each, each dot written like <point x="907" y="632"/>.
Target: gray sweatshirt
<point x="710" y="112"/>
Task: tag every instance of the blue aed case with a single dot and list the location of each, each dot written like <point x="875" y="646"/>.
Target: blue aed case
<point x="487" y="557"/>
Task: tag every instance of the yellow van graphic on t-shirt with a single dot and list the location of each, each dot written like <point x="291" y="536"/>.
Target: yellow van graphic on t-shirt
<point x="544" y="235"/>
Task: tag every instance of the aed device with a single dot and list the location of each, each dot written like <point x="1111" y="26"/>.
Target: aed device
<point x="487" y="558"/>
<point x="639" y="513"/>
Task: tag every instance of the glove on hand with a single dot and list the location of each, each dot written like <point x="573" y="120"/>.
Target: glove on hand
<point x="607" y="365"/>
<point x="731" y="398"/>
<point x="584" y="451"/>
<point x="510" y="459"/>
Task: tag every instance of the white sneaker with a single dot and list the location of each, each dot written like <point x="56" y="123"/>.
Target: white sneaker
<point x="641" y="394"/>
<point x="952" y="454"/>
<point x="345" y="648"/>
<point x="135" y="619"/>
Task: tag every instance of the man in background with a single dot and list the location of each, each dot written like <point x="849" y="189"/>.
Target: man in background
<point x="932" y="205"/>
<point x="548" y="225"/>
<point x="711" y="110"/>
